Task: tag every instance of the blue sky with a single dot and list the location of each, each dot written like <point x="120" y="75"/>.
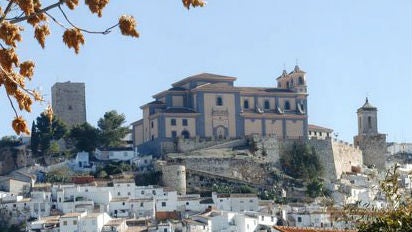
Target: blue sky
<point x="349" y="49"/>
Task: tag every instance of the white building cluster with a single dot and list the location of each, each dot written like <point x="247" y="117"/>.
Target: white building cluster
<point x="120" y="205"/>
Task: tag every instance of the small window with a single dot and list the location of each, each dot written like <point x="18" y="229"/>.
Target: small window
<point x="128" y="193"/>
<point x="267" y="105"/>
<point x="173" y="122"/>
<point x="118" y="193"/>
<point x="154" y="192"/>
<point x="219" y="101"/>
<point x="152" y="124"/>
<point x="187" y="203"/>
<point x="74" y="222"/>
<point x="165" y="230"/>
<point x="174" y="134"/>
<point x="262" y="218"/>
<point x="65" y="223"/>
<point x="369" y="122"/>
<point x="299" y="219"/>
<point x="152" y="137"/>
<point x="142" y="192"/>
<point x="246" y="104"/>
<point x="287" y="105"/>
<point x="141" y="204"/>
<point x="70" y="107"/>
<point x="123" y="203"/>
<point x="163" y="204"/>
<point x="184" y="122"/>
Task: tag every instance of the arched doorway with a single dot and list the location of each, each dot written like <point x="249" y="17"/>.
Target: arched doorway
<point x="220" y="132"/>
<point x="185" y="134"/>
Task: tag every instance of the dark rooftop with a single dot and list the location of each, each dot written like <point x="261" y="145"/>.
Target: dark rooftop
<point x="179" y="110"/>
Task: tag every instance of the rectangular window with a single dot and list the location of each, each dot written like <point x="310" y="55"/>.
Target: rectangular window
<point x="65" y="223"/>
<point x="163" y="204"/>
<point x="184" y="122"/>
<point x="267" y="105"/>
<point x="299" y="219"/>
<point x="74" y="222"/>
<point x="174" y="134"/>
<point x="141" y="204"/>
<point x="173" y="122"/>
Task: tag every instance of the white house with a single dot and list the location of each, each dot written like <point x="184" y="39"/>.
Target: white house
<point x="236" y="202"/>
<point x="116" y="154"/>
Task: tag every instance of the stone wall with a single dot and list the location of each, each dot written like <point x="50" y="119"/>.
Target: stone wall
<point x="373" y="148"/>
<point x="336" y="156"/>
<point x="266" y="147"/>
<point x="240" y="169"/>
<point x="187" y="145"/>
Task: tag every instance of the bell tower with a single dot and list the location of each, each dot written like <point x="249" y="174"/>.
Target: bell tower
<point x="372" y="144"/>
<point x="367" y="119"/>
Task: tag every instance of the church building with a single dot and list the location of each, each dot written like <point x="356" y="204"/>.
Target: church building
<point x="211" y="106"/>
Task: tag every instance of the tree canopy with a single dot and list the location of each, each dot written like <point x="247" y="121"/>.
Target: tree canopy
<point x="111" y="130"/>
<point x="300" y="161"/>
<point x="86" y="137"/>
<point x="44" y="131"/>
<point x="15" y="14"/>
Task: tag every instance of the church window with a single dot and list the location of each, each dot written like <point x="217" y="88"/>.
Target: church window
<point x="184" y="122"/>
<point x="219" y="101"/>
<point x="173" y="122"/>
<point x="267" y="105"/>
<point x="287" y="105"/>
<point x="300" y="81"/>
<point x="246" y="104"/>
<point x="370" y="122"/>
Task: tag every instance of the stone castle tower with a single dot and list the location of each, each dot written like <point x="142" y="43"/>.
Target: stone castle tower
<point x="69" y="102"/>
<point x="372" y="144"/>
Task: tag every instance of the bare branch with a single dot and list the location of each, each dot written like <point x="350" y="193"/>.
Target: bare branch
<point x="7" y="10"/>
<point x="107" y="31"/>
<point x="12" y="105"/>
<point x="17" y="20"/>
<point x="56" y="21"/>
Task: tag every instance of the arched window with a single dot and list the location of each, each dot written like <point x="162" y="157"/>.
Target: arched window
<point x="287" y="84"/>
<point x="266" y="105"/>
<point x="246" y="104"/>
<point x="287" y="105"/>
<point x="300" y="81"/>
<point x="369" y="122"/>
<point x="219" y="101"/>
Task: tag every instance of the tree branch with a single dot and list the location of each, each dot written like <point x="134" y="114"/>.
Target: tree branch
<point x="107" y="31"/>
<point x="17" y="20"/>
<point x="7" y="10"/>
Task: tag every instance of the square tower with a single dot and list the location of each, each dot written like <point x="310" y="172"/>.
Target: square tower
<point x="369" y="140"/>
<point x="69" y="102"/>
